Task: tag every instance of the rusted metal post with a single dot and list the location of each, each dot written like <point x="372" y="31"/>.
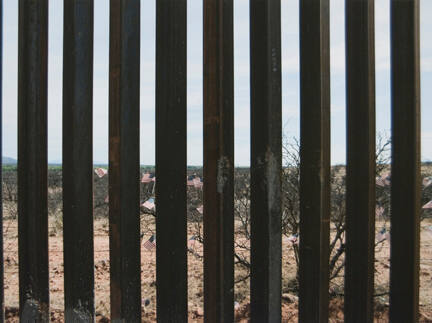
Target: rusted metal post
<point x="266" y="160"/>
<point x="218" y="161"/>
<point x="124" y="169"/>
<point x="1" y="169"/>
<point x="360" y="180"/>
<point x="78" y="161"/>
<point x="171" y="219"/>
<point x="32" y="161"/>
<point x="405" y="179"/>
<point x="315" y="160"/>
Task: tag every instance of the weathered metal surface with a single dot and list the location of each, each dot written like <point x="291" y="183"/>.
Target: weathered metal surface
<point x="124" y="171"/>
<point x="171" y="230"/>
<point x="360" y="180"/>
<point x="266" y="160"/>
<point x="1" y="168"/>
<point x="315" y="160"/>
<point x="218" y="161"/>
<point x="78" y="161"/>
<point x="405" y="180"/>
<point x="32" y="161"/>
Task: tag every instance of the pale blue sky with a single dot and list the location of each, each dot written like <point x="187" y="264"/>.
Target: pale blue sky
<point x="290" y="78"/>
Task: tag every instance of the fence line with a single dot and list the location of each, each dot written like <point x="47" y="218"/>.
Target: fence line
<point x="218" y="161"/>
<point x="405" y="189"/>
<point x="360" y="180"/>
<point x="266" y="161"/>
<point x="78" y="161"/>
<point x="32" y="160"/>
<point x="314" y="160"/>
<point x="2" y="296"/>
<point x="171" y="248"/>
<point x="124" y="191"/>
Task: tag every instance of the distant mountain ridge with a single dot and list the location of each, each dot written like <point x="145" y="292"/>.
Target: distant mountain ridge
<point x="8" y="161"/>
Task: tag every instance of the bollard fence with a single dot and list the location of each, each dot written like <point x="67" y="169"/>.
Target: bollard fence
<point x="266" y="161"/>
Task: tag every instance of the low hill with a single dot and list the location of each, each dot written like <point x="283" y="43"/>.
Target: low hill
<point x="8" y="161"/>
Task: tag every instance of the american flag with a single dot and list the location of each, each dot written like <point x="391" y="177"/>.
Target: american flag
<point x="379" y="211"/>
<point x="294" y="239"/>
<point x="191" y="242"/>
<point x="148" y="178"/>
<point x="428" y="205"/>
<point x="382" y="235"/>
<point x="198" y="182"/>
<point x="101" y="172"/>
<point x="427" y="181"/>
<point x="149" y="204"/>
<point x="200" y="209"/>
<point x="384" y="179"/>
<point x="380" y="182"/>
<point x="145" y="302"/>
<point x="190" y="180"/>
<point x="150" y="244"/>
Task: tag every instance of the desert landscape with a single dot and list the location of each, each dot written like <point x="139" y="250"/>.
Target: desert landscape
<point x="195" y="260"/>
<point x="195" y="270"/>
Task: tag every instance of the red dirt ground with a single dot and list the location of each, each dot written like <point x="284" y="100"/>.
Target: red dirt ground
<point x="289" y="307"/>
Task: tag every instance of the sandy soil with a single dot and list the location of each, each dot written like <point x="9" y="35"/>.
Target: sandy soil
<point x="195" y="270"/>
